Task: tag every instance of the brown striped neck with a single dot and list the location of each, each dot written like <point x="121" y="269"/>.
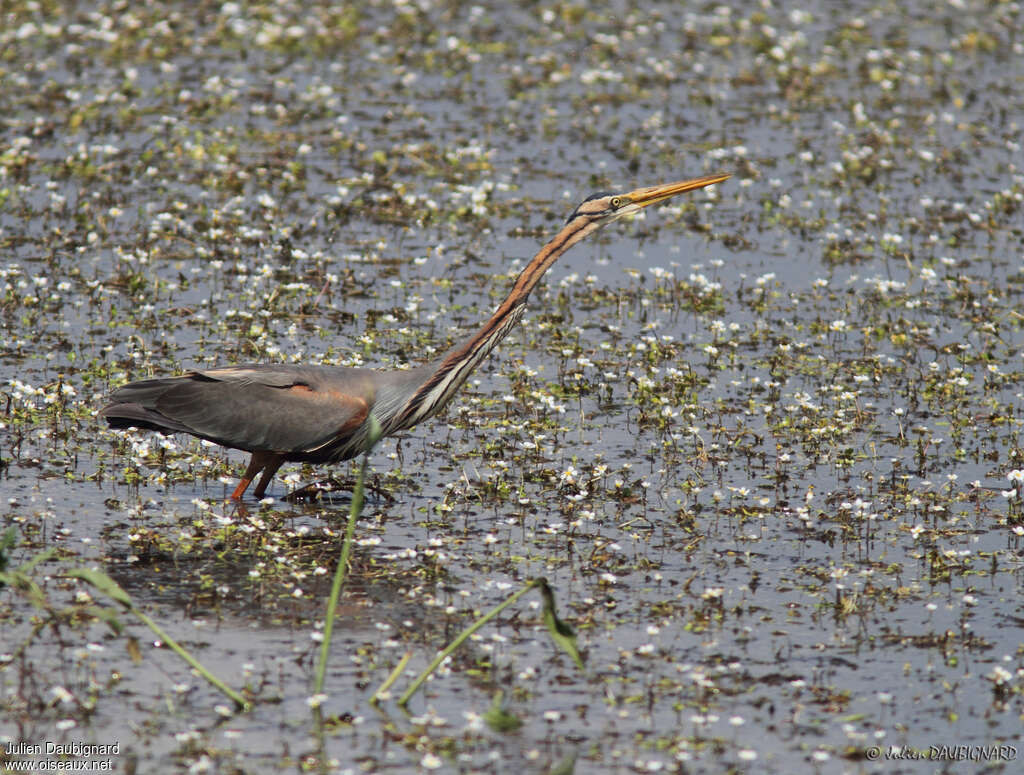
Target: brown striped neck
<point x="573" y="232"/>
<point x="527" y="280"/>
<point x="455" y="366"/>
<point x="452" y="369"/>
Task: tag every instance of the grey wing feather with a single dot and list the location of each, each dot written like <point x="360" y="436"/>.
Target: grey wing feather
<point x="287" y="409"/>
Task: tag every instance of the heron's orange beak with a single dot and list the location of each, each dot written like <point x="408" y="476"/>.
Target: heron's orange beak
<point x="643" y="197"/>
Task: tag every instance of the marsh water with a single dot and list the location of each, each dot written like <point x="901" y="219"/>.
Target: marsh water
<point x="762" y="441"/>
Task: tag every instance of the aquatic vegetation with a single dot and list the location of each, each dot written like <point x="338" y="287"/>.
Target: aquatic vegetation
<point x="756" y="442"/>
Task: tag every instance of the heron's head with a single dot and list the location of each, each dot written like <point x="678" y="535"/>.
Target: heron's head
<point x="603" y="208"/>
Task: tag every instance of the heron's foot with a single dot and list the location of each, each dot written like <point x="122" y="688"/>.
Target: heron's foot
<point x="316" y="490"/>
<point x="327" y="487"/>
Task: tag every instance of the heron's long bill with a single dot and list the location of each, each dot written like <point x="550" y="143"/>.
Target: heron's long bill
<point x="643" y="197"/>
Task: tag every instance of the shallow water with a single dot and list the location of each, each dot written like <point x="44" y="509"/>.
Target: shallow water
<point x="758" y="440"/>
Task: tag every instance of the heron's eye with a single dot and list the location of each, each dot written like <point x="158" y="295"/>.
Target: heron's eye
<point x="616" y="202"/>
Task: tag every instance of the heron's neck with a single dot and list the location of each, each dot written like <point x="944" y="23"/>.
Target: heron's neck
<point x="453" y="368"/>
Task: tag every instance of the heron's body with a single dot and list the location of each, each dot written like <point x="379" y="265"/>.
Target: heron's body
<point x="304" y="413"/>
<point x="322" y="414"/>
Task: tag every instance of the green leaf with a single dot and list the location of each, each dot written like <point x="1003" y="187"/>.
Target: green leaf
<point x="499" y="719"/>
<point x="561" y="633"/>
<point x="565" y="767"/>
<point x="21" y="582"/>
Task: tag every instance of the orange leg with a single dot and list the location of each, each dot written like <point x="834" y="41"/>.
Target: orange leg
<point x="268" y="463"/>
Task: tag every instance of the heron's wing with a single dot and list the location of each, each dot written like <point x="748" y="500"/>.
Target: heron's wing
<point x="277" y="408"/>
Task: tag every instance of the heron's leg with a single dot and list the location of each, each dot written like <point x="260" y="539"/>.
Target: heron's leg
<point x="257" y="463"/>
<point x="271" y="463"/>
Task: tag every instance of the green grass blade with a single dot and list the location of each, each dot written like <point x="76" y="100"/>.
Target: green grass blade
<point x="103" y="583"/>
<point x="390" y="680"/>
<point x="172" y="644"/>
<point x="39" y="558"/>
<point x="463" y="636"/>
<point x="346" y="551"/>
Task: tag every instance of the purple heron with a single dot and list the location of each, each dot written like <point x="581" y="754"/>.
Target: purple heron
<point x="322" y="414"/>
